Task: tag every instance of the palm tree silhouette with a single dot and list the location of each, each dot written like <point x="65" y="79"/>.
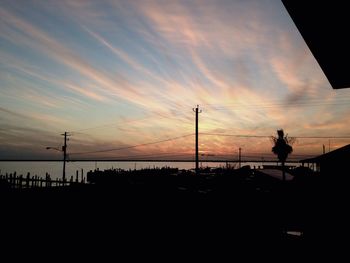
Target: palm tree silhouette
<point x="282" y="148"/>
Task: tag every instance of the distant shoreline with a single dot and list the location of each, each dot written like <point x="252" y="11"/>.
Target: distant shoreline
<point x="145" y="160"/>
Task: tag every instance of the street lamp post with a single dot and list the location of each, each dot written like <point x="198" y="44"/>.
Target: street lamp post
<point x="64" y="150"/>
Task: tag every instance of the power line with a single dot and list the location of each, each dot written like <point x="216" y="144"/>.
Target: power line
<point x="154" y="155"/>
<point x="250" y="107"/>
<point x="235" y="135"/>
<point x="240" y="106"/>
<point x="312" y="102"/>
<point x="269" y="136"/>
<point x="322" y="137"/>
<point x="133" y="146"/>
<point x="280" y="102"/>
<point x="209" y="134"/>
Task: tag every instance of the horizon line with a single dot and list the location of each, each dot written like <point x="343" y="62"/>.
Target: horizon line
<point x="148" y="160"/>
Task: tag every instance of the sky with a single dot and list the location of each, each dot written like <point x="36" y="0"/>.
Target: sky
<point x="122" y="77"/>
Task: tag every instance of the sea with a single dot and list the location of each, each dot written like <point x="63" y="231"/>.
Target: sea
<point x="55" y="168"/>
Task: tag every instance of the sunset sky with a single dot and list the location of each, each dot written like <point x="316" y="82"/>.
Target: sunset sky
<point x="122" y="73"/>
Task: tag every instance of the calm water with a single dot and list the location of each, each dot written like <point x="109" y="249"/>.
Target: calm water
<point x="55" y="168"/>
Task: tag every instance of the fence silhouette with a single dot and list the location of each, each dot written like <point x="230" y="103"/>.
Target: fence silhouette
<point x="28" y="181"/>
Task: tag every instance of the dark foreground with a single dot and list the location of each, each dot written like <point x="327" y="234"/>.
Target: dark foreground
<point x="203" y="214"/>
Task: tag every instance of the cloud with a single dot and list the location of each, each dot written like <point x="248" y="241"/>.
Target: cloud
<point x="125" y="57"/>
<point x="43" y="120"/>
<point x="12" y="113"/>
<point x="25" y="142"/>
<point x="88" y="92"/>
<point x="38" y="39"/>
<point x="154" y="61"/>
<point x="297" y="69"/>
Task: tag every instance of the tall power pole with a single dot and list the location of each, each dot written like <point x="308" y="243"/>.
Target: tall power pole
<point x="196" y="110"/>
<point x="64" y="149"/>
<point x="239" y="157"/>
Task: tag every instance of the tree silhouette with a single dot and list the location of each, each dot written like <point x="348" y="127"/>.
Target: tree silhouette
<point x="282" y="148"/>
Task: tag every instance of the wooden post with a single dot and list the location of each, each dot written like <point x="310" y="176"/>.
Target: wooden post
<point x="77" y="177"/>
<point x="14" y="180"/>
<point x="20" y="181"/>
<point x="10" y="180"/>
<point x="27" y="180"/>
<point x="46" y="180"/>
<point x="196" y="110"/>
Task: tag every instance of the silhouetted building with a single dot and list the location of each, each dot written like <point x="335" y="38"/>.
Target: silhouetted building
<point x="334" y="164"/>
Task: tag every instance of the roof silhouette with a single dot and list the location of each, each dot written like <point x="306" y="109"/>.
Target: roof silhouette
<point x="324" y="26"/>
<point x="338" y="154"/>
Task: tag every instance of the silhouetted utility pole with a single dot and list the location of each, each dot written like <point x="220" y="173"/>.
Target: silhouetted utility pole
<point x="196" y="110"/>
<point x="64" y="149"/>
<point x="324" y="149"/>
<point x="239" y="157"/>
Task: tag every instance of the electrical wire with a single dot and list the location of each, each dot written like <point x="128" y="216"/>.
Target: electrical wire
<point x="269" y="136"/>
<point x="133" y="146"/>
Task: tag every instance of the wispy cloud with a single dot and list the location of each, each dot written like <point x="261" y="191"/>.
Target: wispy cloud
<point x="82" y="64"/>
<point x="38" y="39"/>
<point x="34" y="118"/>
<point x="12" y="113"/>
